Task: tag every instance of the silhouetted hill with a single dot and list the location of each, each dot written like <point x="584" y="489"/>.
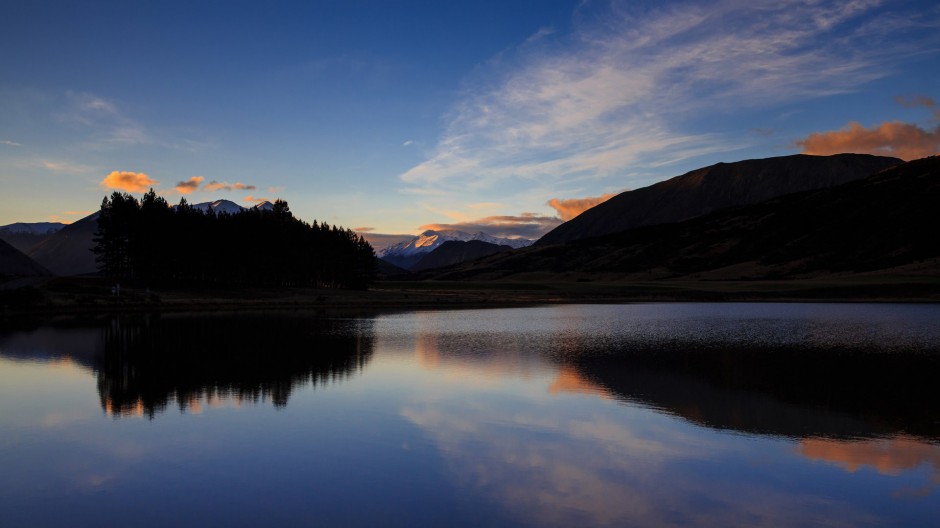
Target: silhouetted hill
<point x="68" y="252"/>
<point x="886" y="221"/>
<point x="709" y="189"/>
<point x="13" y="263"/>
<point x="386" y="268"/>
<point x="456" y="252"/>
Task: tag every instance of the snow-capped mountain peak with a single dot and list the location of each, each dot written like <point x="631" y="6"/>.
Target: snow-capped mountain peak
<point x="219" y="207"/>
<point x="264" y="206"/>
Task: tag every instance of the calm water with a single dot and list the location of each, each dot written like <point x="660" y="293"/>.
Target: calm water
<point x="640" y="415"/>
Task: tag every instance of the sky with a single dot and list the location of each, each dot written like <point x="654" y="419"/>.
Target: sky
<point x="394" y="117"/>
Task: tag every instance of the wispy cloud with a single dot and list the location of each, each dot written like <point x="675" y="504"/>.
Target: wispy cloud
<point x="189" y="186"/>
<point x="9" y="143"/>
<point x="213" y="186"/>
<point x="619" y="94"/>
<point x="254" y="199"/>
<point x="68" y="217"/>
<point x="62" y="166"/>
<point x="363" y="229"/>
<point x="106" y="125"/>
<point x="572" y="207"/>
<point x="526" y="225"/>
<point x="128" y="181"/>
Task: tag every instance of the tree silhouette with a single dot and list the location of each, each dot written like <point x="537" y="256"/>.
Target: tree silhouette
<point x="150" y="241"/>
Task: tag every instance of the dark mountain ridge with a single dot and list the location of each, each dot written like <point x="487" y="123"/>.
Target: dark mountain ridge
<point x="883" y="222"/>
<point x="456" y="251"/>
<point x="716" y="187"/>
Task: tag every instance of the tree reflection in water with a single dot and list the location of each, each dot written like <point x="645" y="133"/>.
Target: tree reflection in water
<point x="148" y="362"/>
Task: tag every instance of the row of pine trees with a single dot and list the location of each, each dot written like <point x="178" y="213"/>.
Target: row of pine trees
<point x="153" y="243"/>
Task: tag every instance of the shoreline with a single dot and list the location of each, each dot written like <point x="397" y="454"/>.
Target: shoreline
<point x="92" y="295"/>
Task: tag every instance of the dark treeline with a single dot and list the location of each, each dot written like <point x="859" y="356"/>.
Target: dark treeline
<point x="152" y="242"/>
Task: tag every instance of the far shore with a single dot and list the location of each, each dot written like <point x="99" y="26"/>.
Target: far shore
<point x="94" y="295"/>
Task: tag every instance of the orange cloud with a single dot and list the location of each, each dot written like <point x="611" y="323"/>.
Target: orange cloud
<point x="190" y="185"/>
<point x="258" y="200"/>
<point x="895" y="138"/>
<point x="917" y="101"/>
<point x="568" y="209"/>
<point x="64" y="217"/>
<point x="526" y="225"/>
<point x="363" y="229"/>
<point x="128" y="181"/>
<point x="226" y="186"/>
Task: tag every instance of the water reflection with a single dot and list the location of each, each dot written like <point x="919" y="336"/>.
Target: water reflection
<point x="837" y="395"/>
<point x="560" y="416"/>
<point x="794" y="392"/>
<point x="145" y="363"/>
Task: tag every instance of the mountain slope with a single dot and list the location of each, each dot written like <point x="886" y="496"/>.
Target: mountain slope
<point x="886" y="221"/>
<point x="23" y="235"/>
<point x="712" y="188"/>
<point x="13" y="263"/>
<point x="68" y="252"/>
<point x="456" y="252"/>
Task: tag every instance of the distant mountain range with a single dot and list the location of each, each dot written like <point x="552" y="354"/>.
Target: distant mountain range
<point x="230" y="207"/>
<point x="776" y="218"/>
<point x="408" y="253"/>
<point x="887" y="222"/>
<point x="716" y="187"/>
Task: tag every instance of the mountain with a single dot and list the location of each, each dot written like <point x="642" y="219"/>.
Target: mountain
<point x="264" y="206"/>
<point x="230" y="207"/>
<point x="24" y="236"/>
<point x="888" y="222"/>
<point x="709" y="189"/>
<point x="408" y="253"/>
<point x="13" y="263"/>
<point x="456" y="252"/>
<point x="219" y="207"/>
<point x="68" y="251"/>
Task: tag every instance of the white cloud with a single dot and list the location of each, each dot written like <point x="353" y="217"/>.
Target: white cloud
<point x="619" y="94"/>
<point x="10" y="143"/>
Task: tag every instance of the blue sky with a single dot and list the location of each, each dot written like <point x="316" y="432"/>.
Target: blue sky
<point x="397" y="116"/>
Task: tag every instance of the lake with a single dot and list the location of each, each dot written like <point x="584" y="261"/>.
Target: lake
<point x="571" y="415"/>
